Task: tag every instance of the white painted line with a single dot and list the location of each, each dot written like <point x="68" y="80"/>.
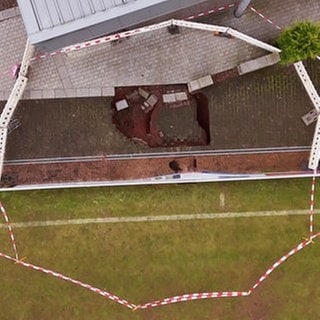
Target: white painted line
<point x="162" y="218"/>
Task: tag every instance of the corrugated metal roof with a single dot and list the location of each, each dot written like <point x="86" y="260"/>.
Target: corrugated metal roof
<point x="51" y="13"/>
<point x="53" y="24"/>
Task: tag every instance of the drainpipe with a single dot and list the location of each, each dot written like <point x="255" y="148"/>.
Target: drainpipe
<point x="241" y="8"/>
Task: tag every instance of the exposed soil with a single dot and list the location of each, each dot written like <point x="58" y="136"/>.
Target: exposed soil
<point x="162" y="124"/>
<point x="106" y="170"/>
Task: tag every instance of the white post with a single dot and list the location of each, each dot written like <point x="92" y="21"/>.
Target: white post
<point x="315" y="148"/>
<point x="308" y="85"/>
<point x="13" y="100"/>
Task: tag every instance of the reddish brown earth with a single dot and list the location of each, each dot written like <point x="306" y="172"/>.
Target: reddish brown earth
<point x="106" y="170"/>
<point x="165" y="124"/>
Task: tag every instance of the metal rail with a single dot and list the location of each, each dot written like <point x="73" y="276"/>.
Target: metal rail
<point x="157" y="180"/>
<point x="160" y="155"/>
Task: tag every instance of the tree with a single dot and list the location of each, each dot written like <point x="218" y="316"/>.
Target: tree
<point x="299" y="42"/>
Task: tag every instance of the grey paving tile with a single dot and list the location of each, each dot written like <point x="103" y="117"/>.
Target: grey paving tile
<point x="150" y="58"/>
<point x="95" y="92"/>
<point x="70" y="92"/>
<point x="48" y="94"/>
<point x="59" y="93"/>
<point x="82" y="92"/>
<point x="108" y="91"/>
<point x="35" y="94"/>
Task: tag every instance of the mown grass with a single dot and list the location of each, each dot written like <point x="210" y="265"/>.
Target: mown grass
<point x="156" y="200"/>
<point x="147" y="261"/>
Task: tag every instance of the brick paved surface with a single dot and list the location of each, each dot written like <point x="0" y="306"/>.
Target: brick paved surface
<point x="152" y="58"/>
<point x="283" y="13"/>
<point x="12" y="44"/>
<point x="6" y="4"/>
<point x="268" y="104"/>
<point x="60" y="128"/>
<point x="264" y="109"/>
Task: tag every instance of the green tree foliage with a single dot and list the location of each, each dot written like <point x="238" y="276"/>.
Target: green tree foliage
<point x="299" y="42"/>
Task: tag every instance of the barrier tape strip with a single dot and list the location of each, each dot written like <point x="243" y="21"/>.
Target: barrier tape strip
<point x="225" y="294"/>
<point x="101" y="40"/>
<point x="264" y="17"/>
<point x="125" y="34"/>
<point x="193" y="296"/>
<point x="311" y="161"/>
<point x="174" y="299"/>
<point x="180" y="298"/>
<point x="11" y="72"/>
<point x="171" y="300"/>
<point x="208" y="12"/>
<point x="299" y="247"/>
<point x="13" y="242"/>
<point x="68" y="279"/>
<point x="311" y="213"/>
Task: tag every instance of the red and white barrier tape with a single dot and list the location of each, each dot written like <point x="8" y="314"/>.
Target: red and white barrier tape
<point x="208" y="12"/>
<point x="227" y="294"/>
<point x="311" y="213"/>
<point x="101" y="40"/>
<point x="12" y="70"/>
<point x="171" y="300"/>
<point x="299" y="247"/>
<point x="193" y="296"/>
<point x="9" y="72"/>
<point x="68" y="279"/>
<point x="264" y="17"/>
<point x="125" y="34"/>
<point x="175" y="299"/>
<point x="13" y="242"/>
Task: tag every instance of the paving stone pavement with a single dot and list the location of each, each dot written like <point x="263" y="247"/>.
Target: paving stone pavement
<point x="12" y="44"/>
<point x="283" y="13"/>
<point x="152" y="58"/>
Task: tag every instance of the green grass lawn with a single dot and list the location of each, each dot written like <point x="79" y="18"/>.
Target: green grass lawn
<point x="156" y="200"/>
<point x="146" y="261"/>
